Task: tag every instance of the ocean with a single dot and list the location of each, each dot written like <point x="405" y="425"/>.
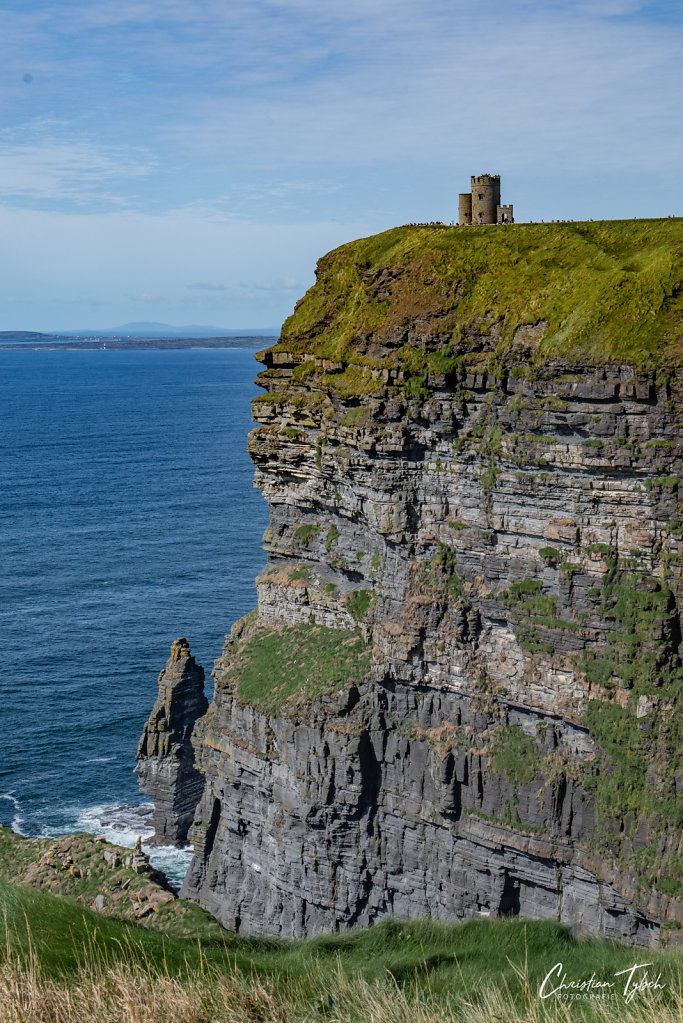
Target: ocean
<point x="127" y="518"/>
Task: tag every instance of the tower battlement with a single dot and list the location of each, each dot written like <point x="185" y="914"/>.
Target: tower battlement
<point x="482" y="205"/>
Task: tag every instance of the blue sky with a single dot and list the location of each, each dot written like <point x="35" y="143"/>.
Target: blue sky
<point x="189" y="160"/>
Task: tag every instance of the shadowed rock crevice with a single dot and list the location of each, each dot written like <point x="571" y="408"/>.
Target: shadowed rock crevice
<point x="212" y="829"/>
<point x="509" y="900"/>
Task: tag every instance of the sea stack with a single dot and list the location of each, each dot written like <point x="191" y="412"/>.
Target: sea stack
<point x="165" y="756"/>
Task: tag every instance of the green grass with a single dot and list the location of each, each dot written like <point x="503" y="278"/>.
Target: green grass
<point x="302" y="574"/>
<point x="516" y="754"/>
<point x="59" y="929"/>
<point x="333" y="535"/>
<point x="441" y="578"/>
<point x="527" y="598"/>
<point x="640" y="655"/>
<point x="39" y="864"/>
<point x="435" y="968"/>
<point x="306" y="532"/>
<point x="610" y="291"/>
<point x="275" y="668"/>
<point x="358" y="603"/>
<point x="357" y="416"/>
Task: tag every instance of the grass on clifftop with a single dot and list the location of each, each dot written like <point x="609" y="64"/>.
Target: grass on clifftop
<point x="63" y="964"/>
<point x="297" y="663"/>
<point x="610" y="291"/>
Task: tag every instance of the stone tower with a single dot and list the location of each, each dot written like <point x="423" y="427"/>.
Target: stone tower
<point x="482" y="204"/>
<point x="465" y="208"/>
<point x="485" y="198"/>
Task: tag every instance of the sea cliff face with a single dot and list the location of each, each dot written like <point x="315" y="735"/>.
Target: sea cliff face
<point x="460" y="692"/>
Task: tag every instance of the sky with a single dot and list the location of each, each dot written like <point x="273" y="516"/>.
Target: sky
<point x="188" y="161"/>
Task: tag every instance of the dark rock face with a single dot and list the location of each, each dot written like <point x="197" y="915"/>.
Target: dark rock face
<point x="509" y="540"/>
<point x="337" y="821"/>
<point x="166" y="767"/>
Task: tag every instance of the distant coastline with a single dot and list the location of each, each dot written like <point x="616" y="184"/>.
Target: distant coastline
<point x="19" y="340"/>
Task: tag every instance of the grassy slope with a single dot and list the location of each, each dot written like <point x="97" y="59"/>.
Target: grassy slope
<point x="610" y="291"/>
<point x="277" y="669"/>
<point x="439" y="962"/>
<point x="28" y="862"/>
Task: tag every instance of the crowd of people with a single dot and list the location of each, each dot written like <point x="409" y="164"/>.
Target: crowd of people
<point x="442" y="223"/>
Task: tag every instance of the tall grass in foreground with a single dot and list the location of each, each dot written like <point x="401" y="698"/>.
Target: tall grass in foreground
<point x="130" y="993"/>
<point x="61" y="963"/>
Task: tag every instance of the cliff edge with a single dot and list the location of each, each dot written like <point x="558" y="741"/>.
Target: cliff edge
<point x="460" y="692"/>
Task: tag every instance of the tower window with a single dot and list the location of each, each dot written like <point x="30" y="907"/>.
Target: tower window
<point x="481" y="195"/>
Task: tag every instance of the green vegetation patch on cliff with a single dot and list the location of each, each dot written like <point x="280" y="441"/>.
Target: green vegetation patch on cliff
<point x="606" y="291"/>
<point x="441" y="579"/>
<point x="635" y="716"/>
<point x="516" y="754"/>
<point x="532" y="609"/>
<point x="276" y="668"/>
<point x="644" y="752"/>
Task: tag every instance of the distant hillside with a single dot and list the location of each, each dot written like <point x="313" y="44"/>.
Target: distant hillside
<point x="154" y="329"/>
<point x="20" y="337"/>
<point x="10" y="340"/>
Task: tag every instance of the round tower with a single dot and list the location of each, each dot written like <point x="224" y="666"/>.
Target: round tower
<point x="465" y="208"/>
<point x="485" y="198"/>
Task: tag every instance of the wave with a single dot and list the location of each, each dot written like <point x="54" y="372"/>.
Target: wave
<point x="121" y="824"/>
<point x="124" y="824"/>
<point x="18" y="819"/>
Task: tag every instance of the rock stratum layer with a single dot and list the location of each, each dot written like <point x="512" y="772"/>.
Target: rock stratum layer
<point x="460" y="693"/>
<point x="166" y="768"/>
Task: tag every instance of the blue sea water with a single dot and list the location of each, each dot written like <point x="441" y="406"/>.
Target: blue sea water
<point x="127" y="518"/>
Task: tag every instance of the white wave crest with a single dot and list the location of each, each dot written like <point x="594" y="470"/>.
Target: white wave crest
<point x="18" y="819"/>
<point x="123" y="824"/>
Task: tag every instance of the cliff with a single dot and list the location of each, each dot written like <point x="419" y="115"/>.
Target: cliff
<point x="460" y="692"/>
<point x="165" y="756"/>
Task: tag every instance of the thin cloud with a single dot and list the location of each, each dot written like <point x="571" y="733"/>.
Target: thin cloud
<point x="235" y="142"/>
<point x="42" y="166"/>
<point x="359" y="83"/>
<point x="542" y="86"/>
